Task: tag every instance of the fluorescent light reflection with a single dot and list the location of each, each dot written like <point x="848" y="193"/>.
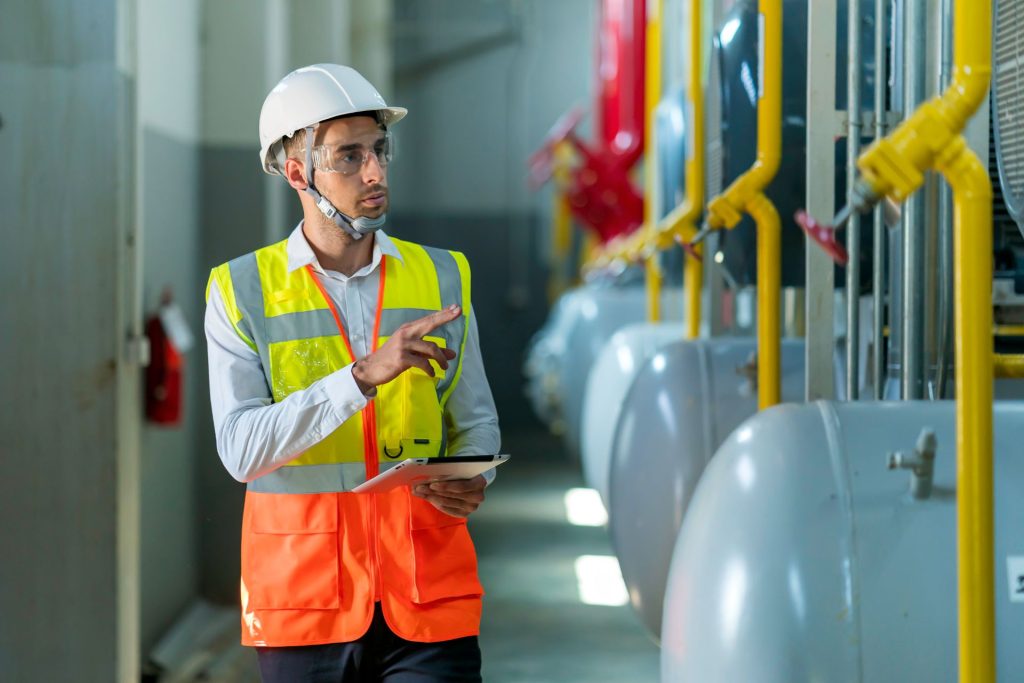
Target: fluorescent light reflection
<point x="729" y="31"/>
<point x="658" y="362"/>
<point x="745" y="472"/>
<point x="625" y="356"/>
<point x="600" y="581"/>
<point x="734" y="594"/>
<point x="583" y="508"/>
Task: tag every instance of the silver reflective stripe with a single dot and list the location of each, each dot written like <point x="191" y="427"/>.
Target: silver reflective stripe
<point x="303" y="325"/>
<point x="245" y="279"/>
<point x="332" y="478"/>
<point x="393" y="318"/>
<point x="449" y="281"/>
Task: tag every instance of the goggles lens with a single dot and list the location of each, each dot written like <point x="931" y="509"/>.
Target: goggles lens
<point x="348" y="159"/>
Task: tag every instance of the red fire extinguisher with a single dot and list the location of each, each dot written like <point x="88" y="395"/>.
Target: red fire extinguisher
<point x="168" y="339"/>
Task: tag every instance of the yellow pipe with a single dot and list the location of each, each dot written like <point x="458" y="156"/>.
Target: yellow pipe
<point x="746" y="194"/>
<point x="590" y="250"/>
<point x="684" y="220"/>
<point x="1008" y="330"/>
<point x="652" y="93"/>
<point x="769" y="280"/>
<point x="972" y="235"/>
<point x="681" y="222"/>
<point x="1009" y="366"/>
<point x="895" y="166"/>
<point x="561" y="233"/>
<point x="693" y="283"/>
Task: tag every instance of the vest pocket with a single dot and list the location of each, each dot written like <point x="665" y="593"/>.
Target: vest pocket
<point x="421" y="416"/>
<point x="444" y="559"/>
<point x="290" y="555"/>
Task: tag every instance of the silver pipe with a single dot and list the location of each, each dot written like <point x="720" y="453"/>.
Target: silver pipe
<point x="878" y="257"/>
<point x="914" y="73"/>
<point x="945" y="256"/>
<point x="853" y="133"/>
<point x="894" y="237"/>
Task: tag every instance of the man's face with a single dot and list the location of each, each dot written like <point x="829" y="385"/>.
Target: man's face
<point x="365" y="191"/>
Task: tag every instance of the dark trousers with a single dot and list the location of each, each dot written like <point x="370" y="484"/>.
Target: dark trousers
<point x="379" y="656"/>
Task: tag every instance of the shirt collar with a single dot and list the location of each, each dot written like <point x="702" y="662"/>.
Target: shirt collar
<point x="300" y="254"/>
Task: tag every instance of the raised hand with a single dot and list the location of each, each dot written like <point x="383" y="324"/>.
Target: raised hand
<point x="406" y="349"/>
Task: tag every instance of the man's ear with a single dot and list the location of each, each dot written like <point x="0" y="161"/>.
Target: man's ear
<point x="295" y="174"/>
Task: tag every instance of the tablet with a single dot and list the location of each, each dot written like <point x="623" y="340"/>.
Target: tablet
<point x="420" y="470"/>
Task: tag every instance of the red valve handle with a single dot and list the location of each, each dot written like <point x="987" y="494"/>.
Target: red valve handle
<point x="823" y="235"/>
<point x="690" y="249"/>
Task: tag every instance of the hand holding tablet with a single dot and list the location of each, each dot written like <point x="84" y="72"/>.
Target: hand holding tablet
<point x="425" y="470"/>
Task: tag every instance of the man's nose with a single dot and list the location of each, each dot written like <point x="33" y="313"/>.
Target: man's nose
<point x="372" y="168"/>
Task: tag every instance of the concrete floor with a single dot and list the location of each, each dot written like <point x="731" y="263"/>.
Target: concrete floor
<point x="535" y="628"/>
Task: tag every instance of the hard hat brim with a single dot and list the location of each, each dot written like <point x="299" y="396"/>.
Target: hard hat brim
<point x="388" y="117"/>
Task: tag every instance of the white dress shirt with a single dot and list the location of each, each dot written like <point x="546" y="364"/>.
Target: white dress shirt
<point x="256" y="436"/>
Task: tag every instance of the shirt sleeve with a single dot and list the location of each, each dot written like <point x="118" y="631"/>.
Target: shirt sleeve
<point x="255" y="435"/>
<point x="470" y="413"/>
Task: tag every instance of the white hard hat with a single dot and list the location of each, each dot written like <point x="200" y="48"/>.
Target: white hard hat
<point x="312" y="94"/>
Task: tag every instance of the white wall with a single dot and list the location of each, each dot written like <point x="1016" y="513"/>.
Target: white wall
<point x="474" y="120"/>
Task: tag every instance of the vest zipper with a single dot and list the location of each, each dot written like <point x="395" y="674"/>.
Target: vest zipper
<point x="372" y="469"/>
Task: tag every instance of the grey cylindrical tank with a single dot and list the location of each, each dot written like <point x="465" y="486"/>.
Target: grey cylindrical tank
<point x="803" y="557"/>
<point x="602" y="312"/>
<point x="544" y="360"/>
<point x="607" y="385"/>
<point x="684" y="402"/>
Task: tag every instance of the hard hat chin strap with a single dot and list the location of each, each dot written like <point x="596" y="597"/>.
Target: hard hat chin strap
<point x="355" y="227"/>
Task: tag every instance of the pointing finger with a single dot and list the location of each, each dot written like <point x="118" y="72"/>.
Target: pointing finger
<point x="429" y="323"/>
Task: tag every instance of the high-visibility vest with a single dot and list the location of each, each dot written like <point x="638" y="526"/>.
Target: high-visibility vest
<point x="314" y="559"/>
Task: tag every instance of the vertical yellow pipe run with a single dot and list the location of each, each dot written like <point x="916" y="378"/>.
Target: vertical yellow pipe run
<point x="652" y="93"/>
<point x="769" y="233"/>
<point x="693" y="274"/>
<point x="894" y="166"/>
<point x="561" y="233"/>
<point x="769" y="109"/>
<point x="769" y="279"/>
<point x="747" y="194"/>
<point x="693" y="282"/>
<point x="972" y="244"/>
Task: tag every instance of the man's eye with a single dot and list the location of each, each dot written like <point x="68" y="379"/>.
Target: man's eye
<point x="348" y="158"/>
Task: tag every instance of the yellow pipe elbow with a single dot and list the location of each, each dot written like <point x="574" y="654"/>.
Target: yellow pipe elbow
<point x="895" y="165"/>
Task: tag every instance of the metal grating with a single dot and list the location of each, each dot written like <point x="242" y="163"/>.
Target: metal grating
<point x="1008" y="104"/>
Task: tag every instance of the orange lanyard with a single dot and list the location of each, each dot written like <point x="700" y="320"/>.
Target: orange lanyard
<point x="370" y="448"/>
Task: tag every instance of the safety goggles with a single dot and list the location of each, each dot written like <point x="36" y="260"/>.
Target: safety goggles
<point x="349" y="158"/>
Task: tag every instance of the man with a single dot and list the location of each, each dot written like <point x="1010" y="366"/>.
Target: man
<point x="333" y="355"/>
